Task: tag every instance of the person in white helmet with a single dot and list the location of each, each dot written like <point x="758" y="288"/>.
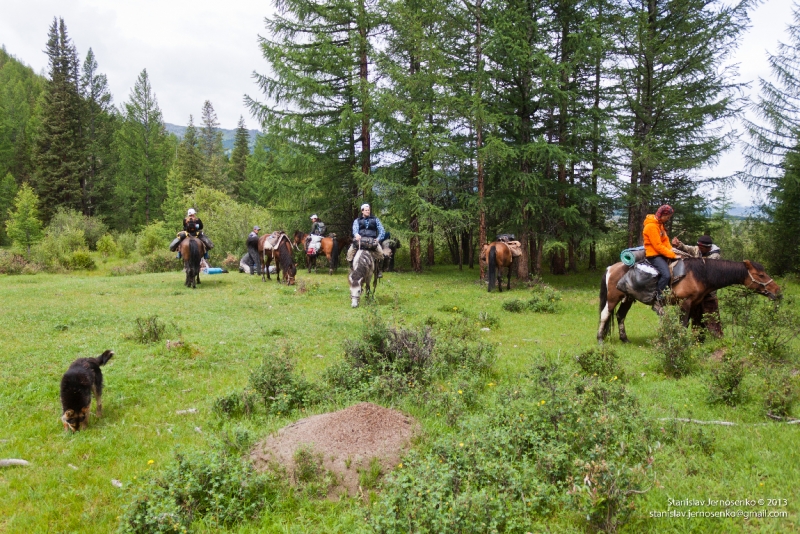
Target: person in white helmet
<point x="370" y="227"/>
<point x="192" y="225"/>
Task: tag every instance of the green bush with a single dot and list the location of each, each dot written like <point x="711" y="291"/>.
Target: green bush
<point x="149" y="329"/>
<point x="674" y="344"/>
<point x="767" y="327"/>
<point x="234" y="404"/>
<point x="545" y="299"/>
<point x="217" y="488"/>
<point x="126" y="243"/>
<point x="106" y="246"/>
<point x="11" y="263"/>
<point x="161" y="261"/>
<point x="276" y="383"/>
<point x="555" y="441"/>
<point x="67" y="221"/>
<point x="726" y="381"/>
<point x="514" y="306"/>
<point x="781" y="394"/>
<point x="80" y="259"/>
<point x="600" y="361"/>
<point x="153" y="237"/>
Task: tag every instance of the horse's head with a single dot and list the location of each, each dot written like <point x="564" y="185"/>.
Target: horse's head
<point x="760" y="282"/>
<point x="299" y="237"/>
<point x="355" y="290"/>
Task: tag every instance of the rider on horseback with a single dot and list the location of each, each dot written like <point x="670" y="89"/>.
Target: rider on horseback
<point x="658" y="250"/>
<point x="370" y="227"/>
<point x="193" y="226"/>
<point x="317" y="233"/>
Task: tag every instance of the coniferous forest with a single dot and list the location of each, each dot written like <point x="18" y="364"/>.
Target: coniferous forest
<point x="564" y="123"/>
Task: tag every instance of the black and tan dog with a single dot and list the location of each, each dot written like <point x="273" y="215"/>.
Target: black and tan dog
<point x="77" y="385"/>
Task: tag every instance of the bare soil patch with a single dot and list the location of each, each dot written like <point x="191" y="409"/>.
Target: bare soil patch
<point x="347" y="440"/>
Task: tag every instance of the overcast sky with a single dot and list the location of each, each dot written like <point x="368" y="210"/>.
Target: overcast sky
<point x="207" y="50"/>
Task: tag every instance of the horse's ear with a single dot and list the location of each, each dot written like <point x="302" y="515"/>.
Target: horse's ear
<point x="747" y="264"/>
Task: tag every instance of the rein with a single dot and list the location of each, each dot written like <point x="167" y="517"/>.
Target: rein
<point x="762" y="284"/>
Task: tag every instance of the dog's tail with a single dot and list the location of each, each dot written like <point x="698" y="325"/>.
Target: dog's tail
<point x="103" y="358"/>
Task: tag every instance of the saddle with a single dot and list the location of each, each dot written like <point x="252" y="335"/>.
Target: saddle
<point x="368" y="243"/>
<point x="641" y="280"/>
<point x="272" y="241"/>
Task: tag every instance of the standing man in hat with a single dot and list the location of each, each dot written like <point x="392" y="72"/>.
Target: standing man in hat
<point x="252" y="251"/>
<point x="707" y="313"/>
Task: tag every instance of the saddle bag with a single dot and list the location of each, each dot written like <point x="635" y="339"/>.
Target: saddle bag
<point x="368" y="243"/>
<point x="640" y="282"/>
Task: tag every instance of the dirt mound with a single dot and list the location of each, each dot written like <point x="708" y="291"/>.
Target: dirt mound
<point x="347" y="440"/>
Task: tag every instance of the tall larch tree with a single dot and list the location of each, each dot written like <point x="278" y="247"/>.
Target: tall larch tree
<point x="212" y="151"/>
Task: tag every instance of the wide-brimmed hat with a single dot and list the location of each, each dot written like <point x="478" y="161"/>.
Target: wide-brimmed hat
<point x="705" y="240"/>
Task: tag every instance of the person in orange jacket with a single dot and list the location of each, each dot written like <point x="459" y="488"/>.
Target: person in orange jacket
<point x="658" y="250"/>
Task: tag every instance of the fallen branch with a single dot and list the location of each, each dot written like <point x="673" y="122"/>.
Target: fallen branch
<point x="699" y="422"/>
<point x="183" y="412"/>
<point x="11" y="461"/>
<point x="784" y="419"/>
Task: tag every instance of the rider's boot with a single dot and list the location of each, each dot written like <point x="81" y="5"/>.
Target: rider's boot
<point x="379" y="268"/>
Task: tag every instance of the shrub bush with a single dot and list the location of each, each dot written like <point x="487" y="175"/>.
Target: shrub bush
<point x="126" y="243"/>
<point x="768" y="327"/>
<point x="80" y="259"/>
<point x="726" y="381"/>
<point x="153" y="237"/>
<point x="149" y="329"/>
<point x="71" y="222"/>
<point x="545" y="299"/>
<point x="161" y="261"/>
<point x="556" y="440"/>
<point x="674" y="343"/>
<point x="106" y="246"/>
<point x="600" y="361"/>
<point x="234" y="404"/>
<point x="11" y="263"/>
<point x="276" y="383"/>
<point x="217" y="488"/>
<point x="781" y="393"/>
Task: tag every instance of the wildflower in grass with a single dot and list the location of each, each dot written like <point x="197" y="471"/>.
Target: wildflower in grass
<point x="491" y="384"/>
<point x="460" y="392"/>
<point x="400" y="464"/>
<point x="460" y="444"/>
<point x="150" y="462"/>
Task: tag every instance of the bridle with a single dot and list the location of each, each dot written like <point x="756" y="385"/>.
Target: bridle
<point x="763" y="290"/>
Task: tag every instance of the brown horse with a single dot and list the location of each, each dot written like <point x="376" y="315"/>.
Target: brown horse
<point x="281" y="253"/>
<point x="701" y="278"/>
<point x="192" y="250"/>
<point x="496" y="255"/>
<point x="328" y="246"/>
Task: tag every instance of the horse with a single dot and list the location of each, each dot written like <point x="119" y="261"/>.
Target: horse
<point x="281" y="252"/>
<point x="389" y="247"/>
<point x="702" y="277"/>
<point x="328" y="246"/>
<point x="497" y="255"/>
<point x="363" y="270"/>
<point x="192" y="250"/>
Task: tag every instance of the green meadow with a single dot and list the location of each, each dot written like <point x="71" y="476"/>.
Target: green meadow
<point x="232" y="321"/>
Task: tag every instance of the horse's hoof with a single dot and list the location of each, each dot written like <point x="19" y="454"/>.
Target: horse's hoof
<point x="624" y="340"/>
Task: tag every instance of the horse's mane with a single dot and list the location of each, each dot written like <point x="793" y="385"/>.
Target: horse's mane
<point x="718" y="273"/>
<point x="361" y="268"/>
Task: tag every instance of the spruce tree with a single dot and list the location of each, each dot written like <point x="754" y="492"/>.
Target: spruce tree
<point x="189" y="161"/>
<point x="212" y="151"/>
<point x="238" y="164"/>
<point x="99" y="125"/>
<point x="23" y="225"/>
<point x="773" y="152"/>
<point x="146" y="153"/>
<point x="60" y="152"/>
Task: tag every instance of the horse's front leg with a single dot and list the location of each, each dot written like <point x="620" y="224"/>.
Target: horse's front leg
<point x="686" y="311"/>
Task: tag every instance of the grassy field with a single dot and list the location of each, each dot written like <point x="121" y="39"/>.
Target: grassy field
<point x="230" y="321"/>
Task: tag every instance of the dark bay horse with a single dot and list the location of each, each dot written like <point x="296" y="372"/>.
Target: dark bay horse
<point x="363" y="272"/>
<point x="281" y="252"/>
<point x="328" y="246"/>
<point x="192" y="250"/>
<point x="702" y="277"/>
<point x="497" y="255"/>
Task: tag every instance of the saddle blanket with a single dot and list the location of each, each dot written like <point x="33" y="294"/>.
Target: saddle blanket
<point x="273" y="239"/>
<point x="314" y="244"/>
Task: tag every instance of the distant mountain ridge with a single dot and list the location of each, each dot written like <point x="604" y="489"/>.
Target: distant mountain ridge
<point x="228" y="136"/>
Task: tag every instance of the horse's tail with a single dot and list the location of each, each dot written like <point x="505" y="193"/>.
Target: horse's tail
<point x="194" y="257"/>
<point x="603" y="291"/>
<point x="287" y="262"/>
<point x="335" y="253"/>
<point x="492" y="267"/>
